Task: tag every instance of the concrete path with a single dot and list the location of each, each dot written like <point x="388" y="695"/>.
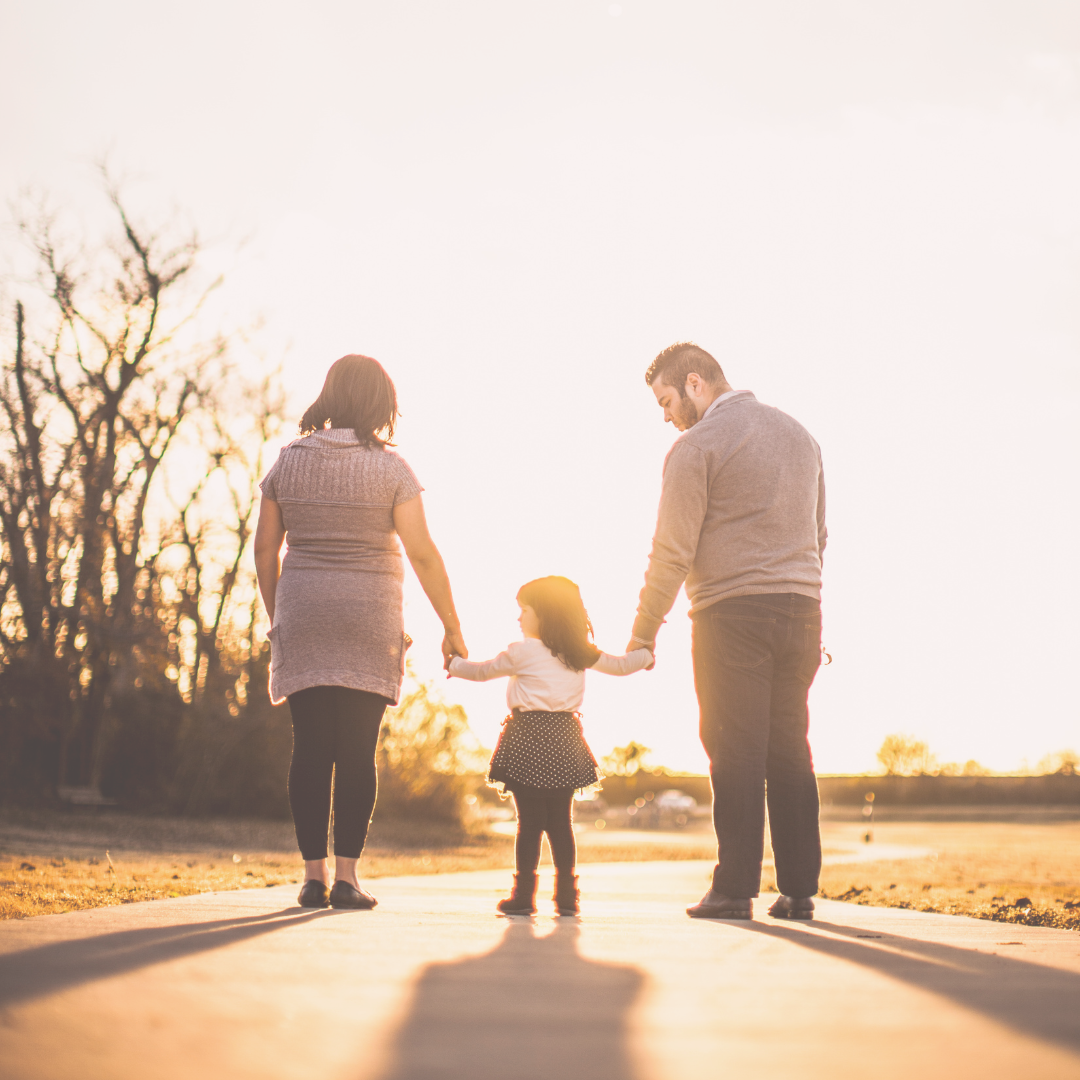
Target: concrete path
<point x="431" y="985"/>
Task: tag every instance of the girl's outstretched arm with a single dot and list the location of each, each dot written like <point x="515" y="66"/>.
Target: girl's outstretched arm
<point x="483" y="671"/>
<point x="623" y="665"/>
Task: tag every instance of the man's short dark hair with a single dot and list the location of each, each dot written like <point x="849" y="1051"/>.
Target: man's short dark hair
<point x="678" y="361"/>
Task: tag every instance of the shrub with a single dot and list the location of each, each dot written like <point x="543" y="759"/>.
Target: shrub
<point x="904" y="755"/>
<point x="428" y="758"/>
<point x="625" y="760"/>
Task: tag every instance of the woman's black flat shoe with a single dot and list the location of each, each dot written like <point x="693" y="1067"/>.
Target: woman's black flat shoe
<point x="314" y="894"/>
<point x="343" y="895"/>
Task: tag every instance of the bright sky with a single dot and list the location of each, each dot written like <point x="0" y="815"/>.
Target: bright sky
<point x="866" y="210"/>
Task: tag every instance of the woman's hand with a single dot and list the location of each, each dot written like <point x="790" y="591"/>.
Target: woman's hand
<point x="453" y="644"/>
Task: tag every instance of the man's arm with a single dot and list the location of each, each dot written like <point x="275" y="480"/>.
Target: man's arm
<point x="684" y="498"/>
<point x="822" y="532"/>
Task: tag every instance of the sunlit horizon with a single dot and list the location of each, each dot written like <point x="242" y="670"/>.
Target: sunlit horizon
<point x="871" y="222"/>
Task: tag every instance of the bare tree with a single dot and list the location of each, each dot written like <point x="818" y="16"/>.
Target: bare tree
<point x="89" y="410"/>
<point x="221" y="663"/>
<point x="216" y="596"/>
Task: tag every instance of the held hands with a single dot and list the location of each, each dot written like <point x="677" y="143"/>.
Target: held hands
<point x="633" y="646"/>
<point x="453" y="644"/>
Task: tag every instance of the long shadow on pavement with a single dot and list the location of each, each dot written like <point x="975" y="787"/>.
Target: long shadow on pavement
<point x="47" y="969"/>
<point x="533" y="1008"/>
<point x="1033" y="999"/>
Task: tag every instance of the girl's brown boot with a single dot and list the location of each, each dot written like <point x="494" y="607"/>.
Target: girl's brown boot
<point x="522" y="901"/>
<point x="567" y="893"/>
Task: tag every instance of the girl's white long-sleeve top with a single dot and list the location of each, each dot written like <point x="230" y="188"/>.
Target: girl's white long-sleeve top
<point x="539" y="680"/>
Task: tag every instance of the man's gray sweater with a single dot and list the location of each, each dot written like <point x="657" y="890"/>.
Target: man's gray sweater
<point x="742" y="511"/>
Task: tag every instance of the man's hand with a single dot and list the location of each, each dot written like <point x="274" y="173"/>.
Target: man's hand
<point x="453" y="644"/>
<point x="633" y="646"/>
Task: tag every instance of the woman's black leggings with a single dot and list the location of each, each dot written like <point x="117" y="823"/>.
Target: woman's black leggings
<point x="539" y="812"/>
<point x="335" y="732"/>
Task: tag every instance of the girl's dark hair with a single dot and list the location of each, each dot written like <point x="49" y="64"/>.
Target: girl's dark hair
<point x="358" y="394"/>
<point x="564" y="623"/>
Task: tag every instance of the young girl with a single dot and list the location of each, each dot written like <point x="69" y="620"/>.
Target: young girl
<point x="542" y="756"/>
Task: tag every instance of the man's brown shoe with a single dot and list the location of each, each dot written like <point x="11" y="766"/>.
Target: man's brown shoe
<point x="716" y="905"/>
<point x="793" y="907"/>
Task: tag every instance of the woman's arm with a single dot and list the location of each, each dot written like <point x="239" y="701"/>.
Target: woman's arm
<point x="623" y="665"/>
<point x="269" y="536"/>
<point x="424" y="557"/>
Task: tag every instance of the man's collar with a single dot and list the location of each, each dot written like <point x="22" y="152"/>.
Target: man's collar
<point x="722" y="397"/>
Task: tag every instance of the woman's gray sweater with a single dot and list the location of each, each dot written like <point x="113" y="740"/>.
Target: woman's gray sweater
<point x="338" y="610"/>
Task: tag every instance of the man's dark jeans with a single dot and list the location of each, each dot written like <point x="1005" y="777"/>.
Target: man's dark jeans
<point x="754" y="660"/>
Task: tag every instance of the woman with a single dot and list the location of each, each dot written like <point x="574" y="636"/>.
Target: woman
<point x="337" y="639"/>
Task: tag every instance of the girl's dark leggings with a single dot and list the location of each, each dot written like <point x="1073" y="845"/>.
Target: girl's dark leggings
<point x="539" y="812"/>
<point x="335" y="732"/>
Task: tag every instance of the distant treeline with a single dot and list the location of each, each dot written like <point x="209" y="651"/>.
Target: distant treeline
<point x="1055" y="789"/>
<point x="1052" y="790"/>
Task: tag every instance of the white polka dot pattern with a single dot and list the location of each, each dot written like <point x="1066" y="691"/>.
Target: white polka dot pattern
<point x="544" y="750"/>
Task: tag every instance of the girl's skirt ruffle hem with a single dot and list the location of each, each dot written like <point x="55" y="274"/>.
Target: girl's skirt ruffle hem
<point x="542" y="751"/>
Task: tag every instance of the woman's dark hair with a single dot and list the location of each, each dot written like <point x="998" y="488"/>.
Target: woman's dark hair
<point x="358" y="394"/>
<point x="564" y="623"/>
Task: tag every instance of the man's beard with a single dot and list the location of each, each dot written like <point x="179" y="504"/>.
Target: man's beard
<point x="685" y="413"/>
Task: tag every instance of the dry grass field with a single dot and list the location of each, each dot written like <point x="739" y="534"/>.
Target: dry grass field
<point x="1022" y="872"/>
<point x="51" y="862"/>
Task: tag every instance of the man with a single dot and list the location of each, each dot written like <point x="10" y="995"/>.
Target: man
<point x="742" y="523"/>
